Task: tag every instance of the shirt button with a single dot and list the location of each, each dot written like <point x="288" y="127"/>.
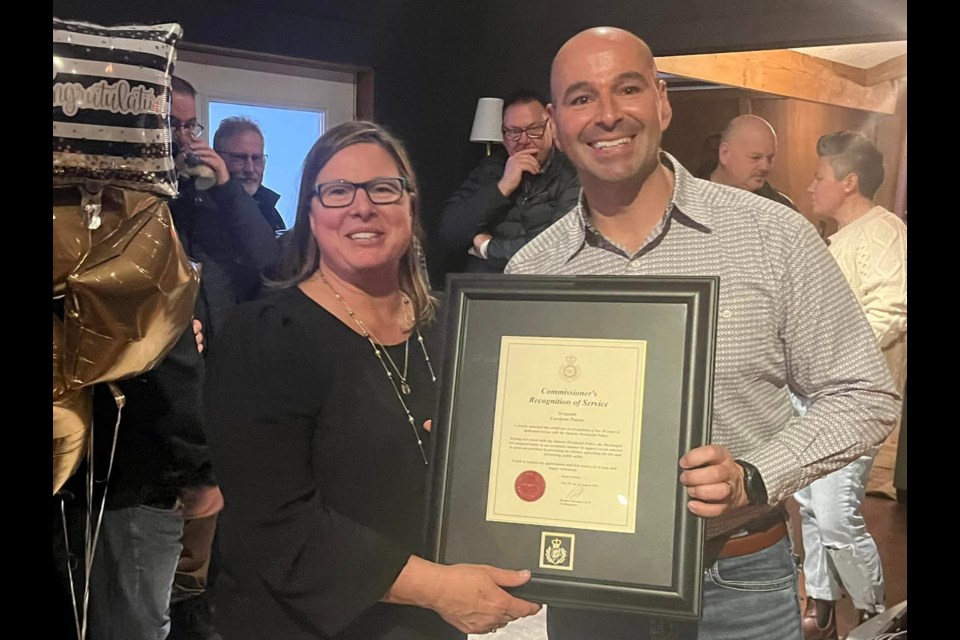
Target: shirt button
<point x="634" y="264"/>
<point x="726" y="313"/>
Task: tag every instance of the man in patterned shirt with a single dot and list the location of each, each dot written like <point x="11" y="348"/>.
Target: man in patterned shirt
<point x="787" y="321"/>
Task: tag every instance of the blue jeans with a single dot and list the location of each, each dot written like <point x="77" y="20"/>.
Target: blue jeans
<point x="838" y="549"/>
<point x="753" y="597"/>
<point x="133" y="568"/>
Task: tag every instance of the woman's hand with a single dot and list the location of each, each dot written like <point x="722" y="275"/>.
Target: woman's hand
<point x="470" y="597"/>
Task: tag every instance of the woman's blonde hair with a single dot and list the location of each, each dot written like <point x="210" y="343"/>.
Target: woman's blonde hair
<point x="300" y="257"/>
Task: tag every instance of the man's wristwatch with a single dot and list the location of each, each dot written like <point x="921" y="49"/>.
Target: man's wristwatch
<point x="753" y="483"/>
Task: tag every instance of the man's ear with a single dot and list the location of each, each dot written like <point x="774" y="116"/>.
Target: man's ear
<point x="666" y="110"/>
<point x="551" y="114"/>
<point x="724" y="152"/>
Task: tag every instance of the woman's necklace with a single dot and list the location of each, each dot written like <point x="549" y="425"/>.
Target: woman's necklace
<point x="404" y="386"/>
<point x="379" y="350"/>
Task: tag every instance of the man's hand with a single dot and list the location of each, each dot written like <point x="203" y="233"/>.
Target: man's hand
<point x="478" y="242"/>
<point x="713" y="480"/>
<point x="198" y="334"/>
<point x="517" y="164"/>
<point x="212" y="159"/>
<point x="200" y="502"/>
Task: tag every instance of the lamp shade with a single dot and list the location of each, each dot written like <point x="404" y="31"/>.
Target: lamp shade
<point x="488" y="121"/>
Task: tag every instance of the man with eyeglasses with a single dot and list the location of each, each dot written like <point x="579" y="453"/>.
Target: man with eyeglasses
<point x="240" y="142"/>
<point x="221" y="227"/>
<point x="506" y="201"/>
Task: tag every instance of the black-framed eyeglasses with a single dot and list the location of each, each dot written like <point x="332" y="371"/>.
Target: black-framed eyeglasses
<point x="534" y="131"/>
<point x="258" y="159"/>
<point x="192" y="126"/>
<point x="340" y="193"/>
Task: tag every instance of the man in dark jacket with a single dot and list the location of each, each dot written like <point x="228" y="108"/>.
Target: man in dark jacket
<point x="222" y="227"/>
<point x="240" y="142"/>
<point x="506" y="201"/>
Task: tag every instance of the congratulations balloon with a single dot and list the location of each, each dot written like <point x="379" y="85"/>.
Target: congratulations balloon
<point x="111" y="89"/>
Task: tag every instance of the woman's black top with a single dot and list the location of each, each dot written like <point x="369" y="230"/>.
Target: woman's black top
<point x="324" y="484"/>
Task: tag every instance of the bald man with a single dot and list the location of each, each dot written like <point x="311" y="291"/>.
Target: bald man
<point x="748" y="147"/>
<point x="787" y="321"/>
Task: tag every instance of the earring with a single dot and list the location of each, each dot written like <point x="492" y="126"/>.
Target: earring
<point x="421" y="257"/>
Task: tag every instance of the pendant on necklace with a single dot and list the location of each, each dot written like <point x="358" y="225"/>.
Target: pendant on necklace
<point x="405" y="388"/>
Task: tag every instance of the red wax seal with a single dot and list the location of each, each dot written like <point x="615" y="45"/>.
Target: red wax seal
<point x="530" y="486"/>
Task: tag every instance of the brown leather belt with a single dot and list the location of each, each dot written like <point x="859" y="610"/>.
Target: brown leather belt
<point x="753" y="542"/>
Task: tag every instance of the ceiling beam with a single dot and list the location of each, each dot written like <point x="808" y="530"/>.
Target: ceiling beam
<point x="790" y="74"/>
<point x="887" y="70"/>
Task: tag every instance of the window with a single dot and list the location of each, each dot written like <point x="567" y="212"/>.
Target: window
<point x="289" y="134"/>
<point x="293" y="104"/>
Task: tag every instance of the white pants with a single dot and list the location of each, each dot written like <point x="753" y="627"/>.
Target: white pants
<point x="838" y="550"/>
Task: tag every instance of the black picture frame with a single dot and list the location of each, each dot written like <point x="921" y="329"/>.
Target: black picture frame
<point x="658" y="570"/>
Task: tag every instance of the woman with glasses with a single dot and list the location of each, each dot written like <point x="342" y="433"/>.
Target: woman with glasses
<point x="318" y="402"/>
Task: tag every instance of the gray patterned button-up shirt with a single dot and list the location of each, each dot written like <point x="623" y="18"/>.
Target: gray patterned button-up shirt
<point x="788" y="321"/>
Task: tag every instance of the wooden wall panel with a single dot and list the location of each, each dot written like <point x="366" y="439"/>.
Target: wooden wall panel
<point x="696" y="115"/>
<point x="892" y="141"/>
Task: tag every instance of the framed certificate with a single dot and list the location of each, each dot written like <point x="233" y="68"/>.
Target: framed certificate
<point x="565" y="406"/>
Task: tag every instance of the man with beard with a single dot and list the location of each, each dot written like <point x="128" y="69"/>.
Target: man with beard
<point x="240" y="143"/>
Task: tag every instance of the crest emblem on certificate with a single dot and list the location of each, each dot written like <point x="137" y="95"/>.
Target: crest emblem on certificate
<point x="570" y="370"/>
<point x="556" y="550"/>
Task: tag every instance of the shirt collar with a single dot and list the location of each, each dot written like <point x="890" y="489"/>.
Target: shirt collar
<point x="687" y="196"/>
<point x="686" y="200"/>
<point x="267" y="196"/>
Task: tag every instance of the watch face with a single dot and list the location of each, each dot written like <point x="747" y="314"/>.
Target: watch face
<point x="753" y="484"/>
<point x="751" y="488"/>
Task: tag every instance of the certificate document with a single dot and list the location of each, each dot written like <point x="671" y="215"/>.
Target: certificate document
<point x="566" y="435"/>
